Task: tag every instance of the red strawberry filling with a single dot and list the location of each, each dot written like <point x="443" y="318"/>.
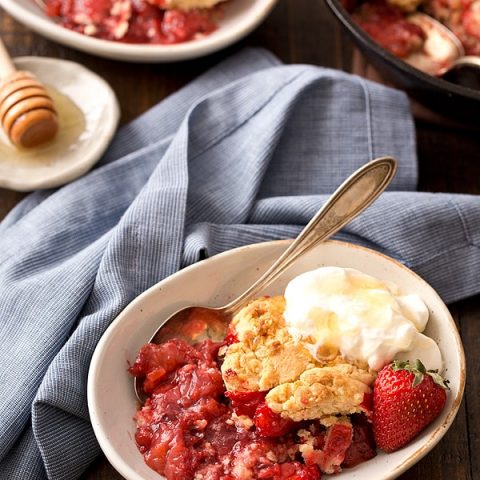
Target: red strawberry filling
<point x="389" y="28"/>
<point x="363" y="444"/>
<point x="231" y="337"/>
<point x="187" y="429"/>
<point x="271" y="424"/>
<point x="329" y="458"/>
<point x="291" y="471"/>
<point x="133" y="21"/>
<point x="245" y="403"/>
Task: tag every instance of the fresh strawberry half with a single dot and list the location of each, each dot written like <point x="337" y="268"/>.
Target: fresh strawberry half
<point x="406" y="398"/>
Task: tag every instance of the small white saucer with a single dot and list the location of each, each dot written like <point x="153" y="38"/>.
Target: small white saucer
<point x="88" y="114"/>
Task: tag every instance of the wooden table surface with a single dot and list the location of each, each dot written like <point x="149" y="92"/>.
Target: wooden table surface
<point x="303" y="31"/>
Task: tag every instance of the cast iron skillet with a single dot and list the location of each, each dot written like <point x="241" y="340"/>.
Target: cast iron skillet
<point x="456" y="101"/>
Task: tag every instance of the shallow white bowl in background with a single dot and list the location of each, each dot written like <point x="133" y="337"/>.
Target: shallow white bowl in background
<point x="241" y="17"/>
<point x="214" y="282"/>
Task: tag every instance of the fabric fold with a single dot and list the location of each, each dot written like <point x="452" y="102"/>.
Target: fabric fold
<point x="246" y="153"/>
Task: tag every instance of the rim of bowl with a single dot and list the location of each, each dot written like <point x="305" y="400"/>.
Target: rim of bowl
<point x="345" y="18"/>
<point x="142" y="52"/>
<point x="435" y="436"/>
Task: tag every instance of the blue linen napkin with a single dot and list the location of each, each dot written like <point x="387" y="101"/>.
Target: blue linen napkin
<point x="246" y="153"/>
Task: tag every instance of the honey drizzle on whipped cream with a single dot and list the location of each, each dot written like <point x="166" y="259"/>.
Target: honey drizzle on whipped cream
<point x="364" y="319"/>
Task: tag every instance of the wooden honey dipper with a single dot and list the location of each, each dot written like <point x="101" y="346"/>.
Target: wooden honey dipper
<point x="27" y="113"/>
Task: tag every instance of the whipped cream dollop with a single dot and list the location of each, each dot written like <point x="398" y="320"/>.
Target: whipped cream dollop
<point x="365" y="319"/>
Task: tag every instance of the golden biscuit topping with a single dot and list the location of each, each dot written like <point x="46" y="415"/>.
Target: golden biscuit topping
<point x="266" y="354"/>
<point x="320" y="392"/>
<point x="301" y="387"/>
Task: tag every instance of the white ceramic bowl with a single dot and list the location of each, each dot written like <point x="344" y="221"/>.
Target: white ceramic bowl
<point x="241" y="17"/>
<point x="215" y="281"/>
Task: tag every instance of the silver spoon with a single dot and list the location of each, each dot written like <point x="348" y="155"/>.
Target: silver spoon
<point x="443" y="54"/>
<point x="355" y="194"/>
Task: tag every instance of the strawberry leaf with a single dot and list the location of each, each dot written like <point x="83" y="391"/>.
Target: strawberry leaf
<point x="438" y="379"/>
<point x="419" y="371"/>
<point x="399" y="365"/>
<point x="420" y="366"/>
<point x="418" y="378"/>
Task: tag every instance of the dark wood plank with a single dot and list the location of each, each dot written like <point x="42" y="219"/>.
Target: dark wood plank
<point x="8" y="200"/>
<point x="101" y="470"/>
<point x="449" y="159"/>
<point x="469" y="316"/>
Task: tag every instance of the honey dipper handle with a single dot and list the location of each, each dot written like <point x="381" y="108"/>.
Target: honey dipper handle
<point x="6" y="65"/>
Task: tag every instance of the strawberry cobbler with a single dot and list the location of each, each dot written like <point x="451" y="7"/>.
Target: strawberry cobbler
<point x="138" y="21"/>
<point x="391" y="23"/>
<point x="290" y="392"/>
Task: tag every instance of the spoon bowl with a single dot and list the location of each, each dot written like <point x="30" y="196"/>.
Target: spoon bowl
<point x="355" y="194"/>
<point x="442" y="48"/>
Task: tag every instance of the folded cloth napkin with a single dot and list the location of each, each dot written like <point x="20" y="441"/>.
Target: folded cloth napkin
<point x="246" y="153"/>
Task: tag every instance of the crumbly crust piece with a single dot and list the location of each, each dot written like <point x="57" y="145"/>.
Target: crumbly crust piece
<point x="266" y="354"/>
<point x="301" y="387"/>
<point x="321" y="392"/>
